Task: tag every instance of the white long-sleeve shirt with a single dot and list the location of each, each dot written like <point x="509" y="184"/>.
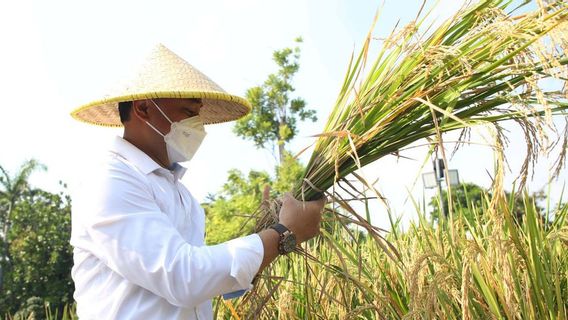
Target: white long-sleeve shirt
<point x="139" y="253"/>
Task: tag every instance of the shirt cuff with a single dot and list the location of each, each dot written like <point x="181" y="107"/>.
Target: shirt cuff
<point x="247" y="253"/>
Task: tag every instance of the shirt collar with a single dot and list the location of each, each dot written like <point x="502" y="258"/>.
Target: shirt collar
<point x="141" y="160"/>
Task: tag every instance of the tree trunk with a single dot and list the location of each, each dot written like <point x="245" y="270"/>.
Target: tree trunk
<point x="281" y="151"/>
<point x="5" y="247"/>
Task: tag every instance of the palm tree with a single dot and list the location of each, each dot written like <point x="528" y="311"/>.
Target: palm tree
<point x="11" y="190"/>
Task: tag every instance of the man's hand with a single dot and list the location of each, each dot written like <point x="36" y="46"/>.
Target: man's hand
<point x="302" y="218"/>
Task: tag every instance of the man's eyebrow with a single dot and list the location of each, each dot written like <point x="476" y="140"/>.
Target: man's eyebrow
<point x="189" y="111"/>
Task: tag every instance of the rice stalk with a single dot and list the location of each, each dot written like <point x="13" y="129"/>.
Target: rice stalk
<point x="437" y="278"/>
<point x="483" y="66"/>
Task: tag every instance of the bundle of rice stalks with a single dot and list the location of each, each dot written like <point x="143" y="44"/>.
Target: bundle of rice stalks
<point x="485" y="64"/>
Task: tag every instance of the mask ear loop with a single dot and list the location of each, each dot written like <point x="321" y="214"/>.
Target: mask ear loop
<point x="158" y="131"/>
<point x="162" y="112"/>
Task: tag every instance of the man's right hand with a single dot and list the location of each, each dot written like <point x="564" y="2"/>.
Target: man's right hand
<point x="302" y="218"/>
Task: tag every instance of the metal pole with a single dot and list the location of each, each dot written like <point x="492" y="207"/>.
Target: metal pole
<point x="442" y="204"/>
<point x="439" y="173"/>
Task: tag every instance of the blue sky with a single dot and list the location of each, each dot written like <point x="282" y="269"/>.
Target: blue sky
<point x="59" y="54"/>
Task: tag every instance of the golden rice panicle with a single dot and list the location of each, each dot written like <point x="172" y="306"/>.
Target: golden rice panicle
<point x="485" y="64"/>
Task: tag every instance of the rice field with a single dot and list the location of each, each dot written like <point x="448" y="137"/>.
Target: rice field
<point x="495" y="268"/>
<point x="480" y="67"/>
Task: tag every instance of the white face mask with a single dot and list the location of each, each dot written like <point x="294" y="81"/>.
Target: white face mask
<point x="184" y="137"/>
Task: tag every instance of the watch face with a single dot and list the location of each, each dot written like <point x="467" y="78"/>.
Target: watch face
<point x="288" y="244"/>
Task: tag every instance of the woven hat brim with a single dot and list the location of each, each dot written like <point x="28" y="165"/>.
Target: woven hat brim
<point x="217" y="107"/>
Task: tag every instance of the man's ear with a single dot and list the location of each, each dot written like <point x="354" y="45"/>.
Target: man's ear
<point x="140" y="109"/>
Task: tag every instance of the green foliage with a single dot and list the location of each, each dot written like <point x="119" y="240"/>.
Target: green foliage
<point x="36" y="308"/>
<point x="288" y="174"/>
<point x="273" y="119"/>
<point x="39" y="250"/>
<point x="468" y="198"/>
<point x="228" y="211"/>
<point x="12" y="189"/>
<point x="33" y="309"/>
<point x="36" y="256"/>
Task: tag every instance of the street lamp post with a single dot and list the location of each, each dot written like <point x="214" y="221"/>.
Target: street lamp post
<point x="439" y="173"/>
<point x="434" y="180"/>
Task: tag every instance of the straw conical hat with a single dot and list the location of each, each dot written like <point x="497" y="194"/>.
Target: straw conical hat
<point x="166" y="75"/>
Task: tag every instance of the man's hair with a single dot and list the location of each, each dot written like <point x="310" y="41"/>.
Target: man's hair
<point x="125" y="107"/>
<point x="124" y="110"/>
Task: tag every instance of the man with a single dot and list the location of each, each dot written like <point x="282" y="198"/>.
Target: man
<point x="138" y="233"/>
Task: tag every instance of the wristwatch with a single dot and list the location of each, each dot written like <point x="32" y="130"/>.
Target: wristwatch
<point x="287" y="242"/>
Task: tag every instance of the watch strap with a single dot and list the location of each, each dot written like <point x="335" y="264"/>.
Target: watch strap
<point x="285" y="236"/>
<point x="280" y="228"/>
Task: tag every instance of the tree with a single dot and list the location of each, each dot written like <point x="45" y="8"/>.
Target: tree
<point x="33" y="309"/>
<point x="11" y="193"/>
<point x="272" y="121"/>
<point x="469" y="198"/>
<point x="228" y="211"/>
<point x="40" y="251"/>
<point x="274" y="116"/>
<point x="37" y="256"/>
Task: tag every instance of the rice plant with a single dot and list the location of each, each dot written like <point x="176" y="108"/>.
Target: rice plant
<point x="498" y="267"/>
<point x="482" y="66"/>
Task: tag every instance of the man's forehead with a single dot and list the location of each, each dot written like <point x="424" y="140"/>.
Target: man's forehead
<point x="180" y="102"/>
